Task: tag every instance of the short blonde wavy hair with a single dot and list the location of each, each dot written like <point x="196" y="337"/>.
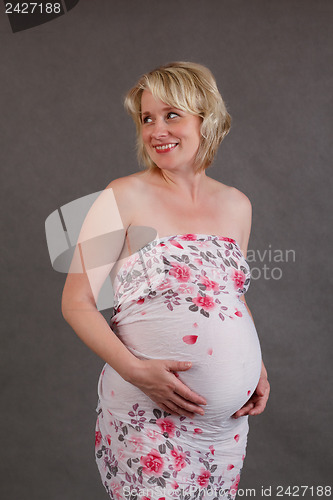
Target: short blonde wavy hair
<point x="192" y="88"/>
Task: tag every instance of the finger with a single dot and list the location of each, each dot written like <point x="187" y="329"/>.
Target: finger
<point x="165" y="408"/>
<point x="241" y="413"/>
<point x="182" y="388"/>
<point x="187" y="405"/>
<point x="169" y="410"/>
<point x="260" y="404"/>
<point x="177" y="366"/>
<point x="185" y="392"/>
<point x="178" y="410"/>
<point x="258" y="408"/>
<point x="261" y="399"/>
<point x="260" y="389"/>
<point x="244" y="410"/>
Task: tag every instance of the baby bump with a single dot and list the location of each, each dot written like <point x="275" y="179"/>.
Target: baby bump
<point x="225" y="367"/>
<point x="225" y="354"/>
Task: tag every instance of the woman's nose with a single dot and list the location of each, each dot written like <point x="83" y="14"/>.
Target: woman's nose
<point x="160" y="129"/>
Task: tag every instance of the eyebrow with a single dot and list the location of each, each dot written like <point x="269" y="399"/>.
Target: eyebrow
<point x="166" y="108"/>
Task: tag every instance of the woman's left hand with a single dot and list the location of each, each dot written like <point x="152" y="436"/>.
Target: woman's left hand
<point x="257" y="402"/>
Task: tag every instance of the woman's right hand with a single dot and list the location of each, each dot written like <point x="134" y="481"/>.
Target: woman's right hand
<point x="156" y="378"/>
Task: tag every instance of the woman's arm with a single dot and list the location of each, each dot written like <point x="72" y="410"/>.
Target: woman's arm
<point x="99" y="245"/>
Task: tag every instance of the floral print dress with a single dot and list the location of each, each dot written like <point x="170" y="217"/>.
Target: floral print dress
<point x="178" y="298"/>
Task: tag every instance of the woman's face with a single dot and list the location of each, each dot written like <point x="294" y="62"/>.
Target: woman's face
<point x="171" y="136"/>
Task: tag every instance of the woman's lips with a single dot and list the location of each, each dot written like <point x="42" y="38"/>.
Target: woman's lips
<point x="165" y="148"/>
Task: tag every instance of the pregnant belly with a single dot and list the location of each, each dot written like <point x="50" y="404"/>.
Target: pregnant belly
<point x="225" y="356"/>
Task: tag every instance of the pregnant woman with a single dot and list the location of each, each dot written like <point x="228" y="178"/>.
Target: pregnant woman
<point x="183" y="362"/>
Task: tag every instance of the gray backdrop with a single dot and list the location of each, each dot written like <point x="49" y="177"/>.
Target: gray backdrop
<point x="64" y="135"/>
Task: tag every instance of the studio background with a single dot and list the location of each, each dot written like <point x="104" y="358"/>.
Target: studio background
<point x="65" y="134"/>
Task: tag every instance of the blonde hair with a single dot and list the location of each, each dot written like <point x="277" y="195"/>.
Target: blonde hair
<point x="190" y="87"/>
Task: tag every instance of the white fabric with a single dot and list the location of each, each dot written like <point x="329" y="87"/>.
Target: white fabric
<point x="178" y="298"/>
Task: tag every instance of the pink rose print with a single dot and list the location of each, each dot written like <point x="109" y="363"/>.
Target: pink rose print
<point x="140" y="301"/>
<point x="239" y="279"/>
<point x="210" y="351"/>
<point x="210" y="285"/>
<point x="236" y="438"/>
<point x="224" y="238"/>
<point x="136" y="443"/>
<point x="152" y="463"/>
<point x="116" y="490"/>
<point x="181" y="272"/>
<point x="174" y="485"/>
<point x="197" y="430"/>
<point x="206" y="303"/>
<point x="190" y="339"/>
<point x="108" y="438"/>
<point x="166" y="425"/>
<point x="234" y="486"/>
<point x="212" y="449"/>
<point x="179" y="457"/>
<point x="198" y="261"/>
<point x="230" y="467"/>
<point x="176" y="243"/>
<point x="202" y="244"/>
<point x="238" y="313"/>
<point x="148" y="498"/>
<point x="183" y="288"/>
<point x="165" y="285"/>
<point x="98" y="438"/>
<point x="154" y="435"/>
<point x="131" y="262"/>
<point x="189" y="237"/>
<point x="203" y="479"/>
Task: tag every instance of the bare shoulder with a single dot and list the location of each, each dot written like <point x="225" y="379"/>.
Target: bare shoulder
<point x="127" y="184"/>
<point x="242" y="208"/>
<point x="128" y="188"/>
<point x="233" y="196"/>
<point x="239" y="206"/>
<point x="127" y="192"/>
<point x="240" y="200"/>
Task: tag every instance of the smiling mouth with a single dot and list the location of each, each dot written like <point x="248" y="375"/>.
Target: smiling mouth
<point x="164" y="148"/>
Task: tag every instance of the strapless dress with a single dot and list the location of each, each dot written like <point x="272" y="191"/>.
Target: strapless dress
<point x="178" y="298"/>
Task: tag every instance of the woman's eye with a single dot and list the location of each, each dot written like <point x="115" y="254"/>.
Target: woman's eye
<point x="146" y="119"/>
<point x="172" y="114"/>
